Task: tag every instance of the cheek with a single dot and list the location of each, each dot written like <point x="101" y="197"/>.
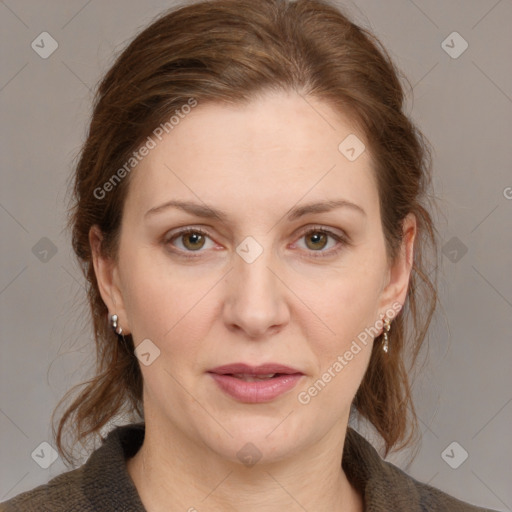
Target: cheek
<point x="164" y="302"/>
<point x="344" y="306"/>
<point x="152" y="300"/>
<point x="337" y="337"/>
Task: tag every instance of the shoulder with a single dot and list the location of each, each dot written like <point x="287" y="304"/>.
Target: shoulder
<point x="61" y="494"/>
<point x="101" y="484"/>
<point x="387" y="487"/>
<point x="430" y="498"/>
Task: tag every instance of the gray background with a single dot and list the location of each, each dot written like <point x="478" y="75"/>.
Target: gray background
<point x="463" y="105"/>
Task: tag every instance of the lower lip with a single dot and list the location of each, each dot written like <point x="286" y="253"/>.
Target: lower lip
<point x="256" y="391"/>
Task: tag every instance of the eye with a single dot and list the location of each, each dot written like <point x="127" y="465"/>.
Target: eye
<point x="192" y="240"/>
<point x="317" y="239"/>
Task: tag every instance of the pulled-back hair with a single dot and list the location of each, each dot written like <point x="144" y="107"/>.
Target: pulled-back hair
<point x="232" y="51"/>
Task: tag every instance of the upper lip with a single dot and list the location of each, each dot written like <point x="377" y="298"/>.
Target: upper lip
<point x="263" y="369"/>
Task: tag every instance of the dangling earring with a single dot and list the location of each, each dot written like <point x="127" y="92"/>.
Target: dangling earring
<point x="387" y="327"/>
<point x="113" y="323"/>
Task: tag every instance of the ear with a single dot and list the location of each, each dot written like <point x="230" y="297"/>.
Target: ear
<point x="397" y="281"/>
<point x="107" y="275"/>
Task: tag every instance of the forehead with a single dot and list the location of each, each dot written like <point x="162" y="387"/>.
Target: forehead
<point x="266" y="154"/>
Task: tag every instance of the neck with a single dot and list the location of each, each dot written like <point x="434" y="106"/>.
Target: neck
<point x="187" y="477"/>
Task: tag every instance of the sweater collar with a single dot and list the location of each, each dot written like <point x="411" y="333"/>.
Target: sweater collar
<point x="384" y="486"/>
<point x="108" y="486"/>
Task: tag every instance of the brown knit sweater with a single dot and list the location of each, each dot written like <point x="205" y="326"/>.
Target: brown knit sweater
<point x="103" y="484"/>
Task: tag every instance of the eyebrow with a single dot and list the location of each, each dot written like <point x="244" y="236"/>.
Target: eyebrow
<point x="208" y="212"/>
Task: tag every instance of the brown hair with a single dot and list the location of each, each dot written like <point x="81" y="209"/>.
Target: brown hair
<point x="231" y="51"/>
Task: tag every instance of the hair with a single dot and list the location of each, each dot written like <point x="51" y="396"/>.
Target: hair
<point x="231" y="51"/>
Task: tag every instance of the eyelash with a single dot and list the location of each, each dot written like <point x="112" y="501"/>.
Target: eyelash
<point x="342" y="240"/>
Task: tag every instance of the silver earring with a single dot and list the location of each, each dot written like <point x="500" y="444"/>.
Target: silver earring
<point x="113" y="322"/>
<point x="387" y="327"/>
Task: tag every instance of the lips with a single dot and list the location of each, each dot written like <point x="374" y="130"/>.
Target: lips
<point x="267" y="370"/>
<point x="255" y="384"/>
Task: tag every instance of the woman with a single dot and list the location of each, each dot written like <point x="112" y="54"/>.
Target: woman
<point x="250" y="217"/>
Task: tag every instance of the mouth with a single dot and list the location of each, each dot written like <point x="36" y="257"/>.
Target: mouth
<point x="254" y="378"/>
<point x="246" y="371"/>
<point x="255" y="384"/>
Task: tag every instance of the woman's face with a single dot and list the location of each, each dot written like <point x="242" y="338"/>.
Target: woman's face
<point x="265" y="281"/>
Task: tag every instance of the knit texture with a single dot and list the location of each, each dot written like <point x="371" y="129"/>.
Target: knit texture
<point x="103" y="484"/>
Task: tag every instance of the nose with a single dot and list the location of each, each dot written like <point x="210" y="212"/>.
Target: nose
<point x="255" y="300"/>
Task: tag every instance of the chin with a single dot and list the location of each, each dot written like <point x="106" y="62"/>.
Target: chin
<point x="262" y="437"/>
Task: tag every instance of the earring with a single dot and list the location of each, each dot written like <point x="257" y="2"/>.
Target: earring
<point x="387" y="327"/>
<point x="113" y="323"/>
